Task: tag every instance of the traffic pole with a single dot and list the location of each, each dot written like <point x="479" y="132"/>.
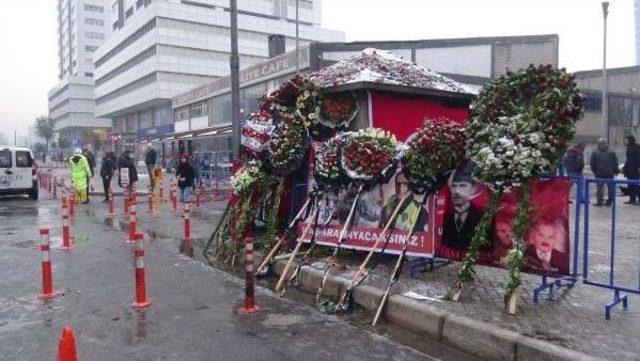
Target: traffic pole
<point x="55" y="187"/>
<point x="47" y="279"/>
<point x="132" y="222"/>
<point x="141" y="300"/>
<point x="150" y="199"/>
<point x="66" y="236"/>
<point x="249" y="307"/>
<point x="49" y="187"/>
<point x="111" y="209"/>
<point x="72" y="204"/>
<point x="186" y="240"/>
<point x="174" y="201"/>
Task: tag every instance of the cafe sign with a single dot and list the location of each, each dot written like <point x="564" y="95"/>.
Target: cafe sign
<point x="266" y="70"/>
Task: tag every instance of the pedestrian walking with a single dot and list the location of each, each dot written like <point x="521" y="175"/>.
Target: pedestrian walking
<point x="80" y="173"/>
<point x="150" y="161"/>
<point x="604" y="165"/>
<point x="106" y="173"/>
<point x="91" y="160"/>
<point x="574" y="160"/>
<point x="631" y="167"/>
<point x="185" y="176"/>
<point x="127" y="169"/>
<point x="196" y="166"/>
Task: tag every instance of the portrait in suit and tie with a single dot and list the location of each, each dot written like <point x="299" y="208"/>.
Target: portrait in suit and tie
<point x="459" y="223"/>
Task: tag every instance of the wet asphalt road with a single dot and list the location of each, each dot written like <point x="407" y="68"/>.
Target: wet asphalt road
<point x="192" y="314"/>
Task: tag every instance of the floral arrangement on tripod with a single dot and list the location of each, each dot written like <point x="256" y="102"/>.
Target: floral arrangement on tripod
<point x="518" y="130"/>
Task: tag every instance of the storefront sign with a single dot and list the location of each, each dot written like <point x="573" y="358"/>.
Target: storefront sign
<point x="271" y="68"/>
<point x="160" y="130"/>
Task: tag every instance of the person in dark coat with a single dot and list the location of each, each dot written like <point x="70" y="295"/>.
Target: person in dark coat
<point x="631" y="167"/>
<point x="460" y="223"/>
<point x="125" y="163"/>
<point x="91" y="159"/>
<point x="107" y="169"/>
<point x="150" y="161"/>
<point x="185" y="176"/>
<point x="604" y="165"/>
<point x="574" y="160"/>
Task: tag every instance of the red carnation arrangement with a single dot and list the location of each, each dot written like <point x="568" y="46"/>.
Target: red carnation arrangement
<point x="369" y="154"/>
<point x="338" y="109"/>
<point x="434" y="151"/>
<point x="256" y="134"/>
<point x="284" y="98"/>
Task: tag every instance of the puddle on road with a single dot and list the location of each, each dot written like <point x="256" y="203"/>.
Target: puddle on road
<point x="25" y="244"/>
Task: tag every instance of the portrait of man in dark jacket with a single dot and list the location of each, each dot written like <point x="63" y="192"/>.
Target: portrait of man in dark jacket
<point x="460" y="223"/>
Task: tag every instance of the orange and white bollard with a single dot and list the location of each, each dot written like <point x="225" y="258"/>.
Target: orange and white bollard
<point x="47" y="279"/>
<point x="174" y="200"/>
<point x="150" y="199"/>
<point x="141" y="300"/>
<point x="66" y="235"/>
<point x="63" y="199"/>
<point x="186" y="240"/>
<point x="67" y="346"/>
<point x="132" y="222"/>
<point x="112" y="211"/>
<point x="72" y="204"/>
<point x="160" y="191"/>
<point x="249" y="307"/>
<point x="198" y="196"/>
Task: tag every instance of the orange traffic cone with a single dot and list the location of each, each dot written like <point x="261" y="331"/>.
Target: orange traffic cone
<point x="67" y="346"/>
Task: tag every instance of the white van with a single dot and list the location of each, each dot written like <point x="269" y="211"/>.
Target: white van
<point x="18" y="171"/>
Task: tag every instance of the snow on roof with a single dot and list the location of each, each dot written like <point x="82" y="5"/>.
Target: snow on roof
<point x="382" y="66"/>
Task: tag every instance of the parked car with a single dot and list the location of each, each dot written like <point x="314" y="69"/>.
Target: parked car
<point x="18" y="172"/>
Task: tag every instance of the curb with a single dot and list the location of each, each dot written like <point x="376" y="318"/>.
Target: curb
<point x="466" y="334"/>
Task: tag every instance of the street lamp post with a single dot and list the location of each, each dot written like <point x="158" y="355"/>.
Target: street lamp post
<point x="605" y="79"/>
<point x="297" y="36"/>
<point x="235" y="80"/>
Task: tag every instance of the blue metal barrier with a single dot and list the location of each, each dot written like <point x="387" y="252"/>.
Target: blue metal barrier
<point x="618" y="296"/>
<point x="552" y="283"/>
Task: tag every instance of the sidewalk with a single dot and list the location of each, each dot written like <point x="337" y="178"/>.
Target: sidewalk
<point x="573" y="321"/>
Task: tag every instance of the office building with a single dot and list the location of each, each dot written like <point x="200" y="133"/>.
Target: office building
<point x="81" y="30"/>
<point x="158" y="49"/>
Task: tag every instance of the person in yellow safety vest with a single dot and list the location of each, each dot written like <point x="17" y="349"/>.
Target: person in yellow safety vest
<point x="80" y="172"/>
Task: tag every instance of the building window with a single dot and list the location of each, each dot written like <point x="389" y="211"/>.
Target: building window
<point x="92" y="21"/>
<point x="139" y="4"/>
<point x="140" y="83"/>
<point x="182" y="114"/>
<point x="90" y="48"/>
<point x="88" y="75"/>
<point x="593" y="102"/>
<point x="199" y="109"/>
<point x="93" y="35"/>
<point x="127" y="42"/>
<point x="129" y="12"/>
<point x="150" y="52"/>
<point x="94" y="8"/>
